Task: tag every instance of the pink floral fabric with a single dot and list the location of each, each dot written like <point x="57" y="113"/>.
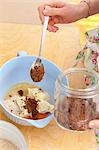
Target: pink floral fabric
<point x="89" y="56"/>
<point x="90" y="53"/>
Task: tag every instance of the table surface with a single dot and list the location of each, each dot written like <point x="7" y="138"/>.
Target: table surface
<point x="61" y="47"/>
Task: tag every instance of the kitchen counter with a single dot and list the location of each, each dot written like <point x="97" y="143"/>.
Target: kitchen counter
<point x="61" y="48"/>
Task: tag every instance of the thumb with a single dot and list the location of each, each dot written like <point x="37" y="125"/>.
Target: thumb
<point x="50" y="11"/>
<point x="94" y="124"/>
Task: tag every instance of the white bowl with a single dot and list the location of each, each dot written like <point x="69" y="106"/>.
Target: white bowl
<point x="11" y="133"/>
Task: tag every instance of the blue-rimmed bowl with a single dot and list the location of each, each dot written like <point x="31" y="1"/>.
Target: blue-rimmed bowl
<point x="17" y="70"/>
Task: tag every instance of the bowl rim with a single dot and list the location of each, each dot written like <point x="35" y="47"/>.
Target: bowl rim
<point x="29" y="56"/>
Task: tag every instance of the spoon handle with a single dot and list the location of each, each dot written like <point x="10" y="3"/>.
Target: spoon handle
<point x="46" y="19"/>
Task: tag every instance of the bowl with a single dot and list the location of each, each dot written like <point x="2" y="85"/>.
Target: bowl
<point x="17" y="70"/>
<point x="12" y="134"/>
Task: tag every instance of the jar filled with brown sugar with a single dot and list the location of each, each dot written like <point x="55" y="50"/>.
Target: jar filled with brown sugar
<point x="76" y="99"/>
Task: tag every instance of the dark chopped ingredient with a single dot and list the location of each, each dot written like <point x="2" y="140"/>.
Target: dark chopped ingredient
<point x="10" y="95"/>
<point x="31" y="106"/>
<point x="40" y="89"/>
<point x="76" y="113"/>
<point x="34" y="113"/>
<point x="37" y="73"/>
<point x="20" y="92"/>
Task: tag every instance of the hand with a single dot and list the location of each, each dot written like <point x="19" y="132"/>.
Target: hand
<point x="61" y="13"/>
<point x="94" y="124"/>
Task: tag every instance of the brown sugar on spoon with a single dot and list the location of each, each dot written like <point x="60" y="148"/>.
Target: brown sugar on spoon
<point x="37" y="73"/>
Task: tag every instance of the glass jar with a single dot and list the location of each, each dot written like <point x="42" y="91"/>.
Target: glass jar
<point x="76" y="99"/>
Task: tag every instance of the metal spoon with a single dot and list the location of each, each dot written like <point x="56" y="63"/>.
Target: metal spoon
<point x="37" y="68"/>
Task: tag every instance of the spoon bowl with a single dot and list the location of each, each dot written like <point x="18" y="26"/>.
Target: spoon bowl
<point x="37" y="70"/>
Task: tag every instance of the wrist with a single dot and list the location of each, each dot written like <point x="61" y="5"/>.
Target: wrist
<point x="83" y="10"/>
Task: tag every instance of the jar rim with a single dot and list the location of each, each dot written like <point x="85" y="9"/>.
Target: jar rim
<point x="90" y="89"/>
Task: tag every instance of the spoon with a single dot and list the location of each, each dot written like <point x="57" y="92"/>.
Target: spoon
<point x="37" y="69"/>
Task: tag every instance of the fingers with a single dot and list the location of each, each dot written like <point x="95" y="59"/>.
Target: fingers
<point x="52" y="28"/>
<point x="52" y="22"/>
<point x="57" y="4"/>
<point x="94" y="124"/>
<point x="50" y="11"/>
<point x="41" y="14"/>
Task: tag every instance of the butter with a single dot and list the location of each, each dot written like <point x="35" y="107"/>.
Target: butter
<point x="21" y="102"/>
<point x="44" y="107"/>
<point x="38" y="94"/>
<point x="12" y="106"/>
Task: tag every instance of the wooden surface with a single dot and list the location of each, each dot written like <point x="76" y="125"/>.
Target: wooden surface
<point x="60" y="48"/>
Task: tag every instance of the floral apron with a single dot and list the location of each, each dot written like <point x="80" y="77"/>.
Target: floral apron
<point x="89" y="57"/>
